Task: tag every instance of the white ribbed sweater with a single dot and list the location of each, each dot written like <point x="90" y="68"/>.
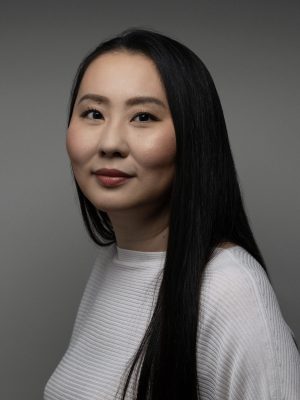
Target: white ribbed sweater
<point x="245" y="348"/>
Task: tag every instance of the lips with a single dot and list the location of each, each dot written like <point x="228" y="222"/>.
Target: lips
<point x="112" y="172"/>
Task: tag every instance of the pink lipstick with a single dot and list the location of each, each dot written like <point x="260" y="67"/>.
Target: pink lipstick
<point x="111" y="177"/>
<point x="111" y="180"/>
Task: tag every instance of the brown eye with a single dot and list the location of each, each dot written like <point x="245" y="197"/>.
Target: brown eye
<point x="145" y="117"/>
<point x="91" y="114"/>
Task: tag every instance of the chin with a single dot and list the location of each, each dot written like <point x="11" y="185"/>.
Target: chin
<point x="112" y="208"/>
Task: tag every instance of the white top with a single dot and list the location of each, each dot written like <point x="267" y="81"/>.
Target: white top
<point x="245" y="348"/>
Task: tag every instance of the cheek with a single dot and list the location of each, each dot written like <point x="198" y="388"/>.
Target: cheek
<point x="77" y="146"/>
<point x="159" y="151"/>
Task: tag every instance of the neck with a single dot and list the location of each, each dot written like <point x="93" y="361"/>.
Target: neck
<point x="141" y="232"/>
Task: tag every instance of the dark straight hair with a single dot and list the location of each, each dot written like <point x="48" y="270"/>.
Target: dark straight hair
<point x="206" y="209"/>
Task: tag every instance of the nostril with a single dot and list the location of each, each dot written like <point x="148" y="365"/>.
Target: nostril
<point x="111" y="153"/>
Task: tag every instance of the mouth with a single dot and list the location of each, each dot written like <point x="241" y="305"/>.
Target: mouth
<point x="110" y="181"/>
<point x="112" y="173"/>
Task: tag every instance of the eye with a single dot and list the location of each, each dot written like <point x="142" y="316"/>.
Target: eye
<point x="91" y="113"/>
<point x="145" y="117"/>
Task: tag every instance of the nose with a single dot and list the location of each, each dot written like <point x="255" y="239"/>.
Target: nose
<point x="112" y="140"/>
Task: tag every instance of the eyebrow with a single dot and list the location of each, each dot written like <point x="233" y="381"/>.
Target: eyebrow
<point x="129" y="102"/>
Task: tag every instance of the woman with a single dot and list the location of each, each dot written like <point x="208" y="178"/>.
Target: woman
<point x="179" y="304"/>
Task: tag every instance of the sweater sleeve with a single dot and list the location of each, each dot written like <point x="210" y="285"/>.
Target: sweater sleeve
<point x="245" y="348"/>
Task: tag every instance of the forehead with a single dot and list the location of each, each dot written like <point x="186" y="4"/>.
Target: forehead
<point x="122" y="73"/>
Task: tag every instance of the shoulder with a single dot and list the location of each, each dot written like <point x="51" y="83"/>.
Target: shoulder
<point x="235" y="279"/>
<point x="102" y="260"/>
<point x="235" y="292"/>
<point x="243" y="337"/>
<point x="96" y="278"/>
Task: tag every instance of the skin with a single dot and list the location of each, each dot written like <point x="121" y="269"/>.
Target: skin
<point x="115" y="136"/>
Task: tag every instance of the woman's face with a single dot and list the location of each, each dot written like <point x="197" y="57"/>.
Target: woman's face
<point x="113" y="127"/>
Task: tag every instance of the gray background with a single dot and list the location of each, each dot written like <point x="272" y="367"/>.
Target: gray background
<point x="252" y="52"/>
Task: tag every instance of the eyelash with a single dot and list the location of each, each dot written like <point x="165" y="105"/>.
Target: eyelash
<point x="85" y="113"/>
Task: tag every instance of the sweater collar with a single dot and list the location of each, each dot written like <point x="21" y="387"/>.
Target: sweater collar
<point x="131" y="257"/>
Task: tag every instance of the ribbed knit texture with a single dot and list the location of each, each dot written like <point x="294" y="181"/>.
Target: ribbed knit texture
<point x="245" y="348"/>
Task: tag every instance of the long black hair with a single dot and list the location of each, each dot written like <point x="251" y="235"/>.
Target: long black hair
<point x="206" y="210"/>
